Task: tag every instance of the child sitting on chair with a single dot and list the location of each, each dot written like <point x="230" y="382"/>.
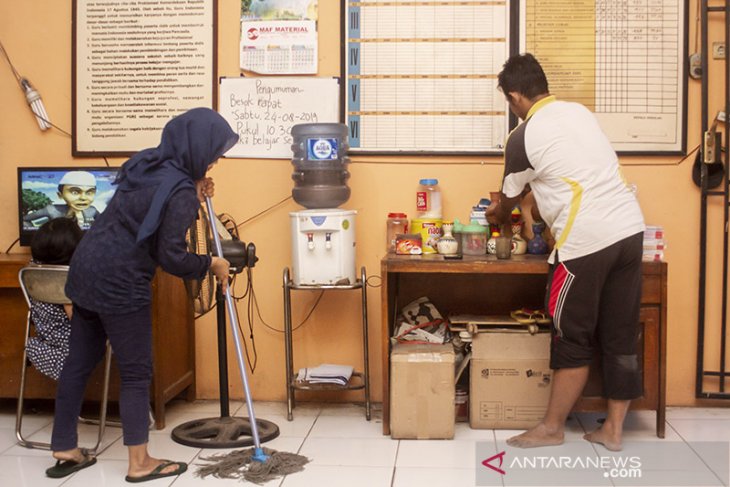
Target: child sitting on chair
<point x="53" y="243"/>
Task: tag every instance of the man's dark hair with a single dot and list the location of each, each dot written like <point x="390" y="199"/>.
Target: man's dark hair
<point x="524" y="75"/>
<point x="55" y="241"/>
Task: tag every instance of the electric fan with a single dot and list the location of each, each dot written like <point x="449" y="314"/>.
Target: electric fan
<point x="200" y="291"/>
<point x="224" y="431"/>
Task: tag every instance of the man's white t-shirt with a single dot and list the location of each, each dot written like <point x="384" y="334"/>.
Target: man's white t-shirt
<point x="562" y="153"/>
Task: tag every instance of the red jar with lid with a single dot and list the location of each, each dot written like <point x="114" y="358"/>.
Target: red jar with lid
<point x="397" y="223"/>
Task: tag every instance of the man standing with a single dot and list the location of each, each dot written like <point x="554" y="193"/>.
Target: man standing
<point x="594" y="286"/>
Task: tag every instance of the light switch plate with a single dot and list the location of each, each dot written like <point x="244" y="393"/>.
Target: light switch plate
<point x="695" y="66"/>
<point x="718" y="50"/>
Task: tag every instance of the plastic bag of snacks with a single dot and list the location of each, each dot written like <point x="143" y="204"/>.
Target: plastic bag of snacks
<point x="420" y="322"/>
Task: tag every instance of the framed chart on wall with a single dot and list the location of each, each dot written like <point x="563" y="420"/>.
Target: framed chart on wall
<point x="625" y="62"/>
<point x="136" y="64"/>
<point x="421" y="76"/>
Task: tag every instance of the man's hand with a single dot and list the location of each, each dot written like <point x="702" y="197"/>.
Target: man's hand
<point x="499" y="214"/>
<point x="220" y="268"/>
<point x="204" y="187"/>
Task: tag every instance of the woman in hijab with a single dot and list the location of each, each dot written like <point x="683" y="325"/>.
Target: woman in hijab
<point x="157" y="199"/>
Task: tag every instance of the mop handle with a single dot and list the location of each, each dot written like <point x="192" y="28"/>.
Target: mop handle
<point x="234" y="329"/>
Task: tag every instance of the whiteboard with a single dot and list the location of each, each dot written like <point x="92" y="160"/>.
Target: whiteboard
<point x="263" y="110"/>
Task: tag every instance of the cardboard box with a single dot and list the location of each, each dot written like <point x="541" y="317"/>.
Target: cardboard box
<point x="422" y="391"/>
<point x="510" y="379"/>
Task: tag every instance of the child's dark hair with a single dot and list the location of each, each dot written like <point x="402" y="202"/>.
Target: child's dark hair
<point x="523" y="74"/>
<point x="55" y="241"/>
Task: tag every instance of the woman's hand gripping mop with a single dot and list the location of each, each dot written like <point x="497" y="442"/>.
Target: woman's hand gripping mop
<point x="257" y="465"/>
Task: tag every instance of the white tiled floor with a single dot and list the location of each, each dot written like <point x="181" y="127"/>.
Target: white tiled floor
<point x="347" y="450"/>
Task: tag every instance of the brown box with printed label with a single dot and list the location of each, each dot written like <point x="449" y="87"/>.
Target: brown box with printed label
<point x="510" y="378"/>
<point x="422" y="391"/>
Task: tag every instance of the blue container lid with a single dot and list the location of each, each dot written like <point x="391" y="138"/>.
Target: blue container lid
<point x="428" y="182"/>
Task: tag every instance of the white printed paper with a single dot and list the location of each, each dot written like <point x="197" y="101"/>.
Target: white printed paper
<point x="279" y="47"/>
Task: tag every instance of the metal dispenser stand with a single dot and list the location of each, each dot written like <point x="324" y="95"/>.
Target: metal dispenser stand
<point x="359" y="380"/>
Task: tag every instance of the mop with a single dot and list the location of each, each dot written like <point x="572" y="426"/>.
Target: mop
<point x="257" y="464"/>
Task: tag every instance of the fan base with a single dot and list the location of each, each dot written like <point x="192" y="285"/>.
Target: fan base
<point x="225" y="432"/>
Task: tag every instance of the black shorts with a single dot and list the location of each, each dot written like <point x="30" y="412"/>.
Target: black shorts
<point x="594" y="301"/>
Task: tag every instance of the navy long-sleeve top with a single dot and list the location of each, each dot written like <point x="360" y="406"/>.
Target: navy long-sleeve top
<point x="111" y="272"/>
<point x="145" y="223"/>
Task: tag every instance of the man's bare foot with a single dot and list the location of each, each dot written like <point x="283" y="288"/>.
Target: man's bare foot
<point x="149" y="465"/>
<point x="612" y="441"/>
<point x="540" y="435"/>
<point x="74" y="454"/>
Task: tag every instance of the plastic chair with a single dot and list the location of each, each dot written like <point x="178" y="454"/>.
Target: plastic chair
<point x="46" y="283"/>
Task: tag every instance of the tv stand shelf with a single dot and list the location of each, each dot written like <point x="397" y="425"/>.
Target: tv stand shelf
<point x="484" y="285"/>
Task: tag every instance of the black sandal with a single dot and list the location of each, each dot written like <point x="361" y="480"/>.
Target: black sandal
<point x="182" y="467"/>
<point x="62" y="468"/>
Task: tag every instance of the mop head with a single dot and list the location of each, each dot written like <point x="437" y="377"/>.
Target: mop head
<point x="239" y="464"/>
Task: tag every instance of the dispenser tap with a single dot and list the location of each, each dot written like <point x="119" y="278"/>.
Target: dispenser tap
<point x="310" y="241"/>
<point x="328" y="241"/>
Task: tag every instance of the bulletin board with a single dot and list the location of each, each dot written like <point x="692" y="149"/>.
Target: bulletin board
<point x="262" y="111"/>
<point x="422" y="76"/>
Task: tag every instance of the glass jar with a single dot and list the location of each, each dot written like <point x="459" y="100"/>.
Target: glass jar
<point x="396" y="223"/>
<point x="428" y="199"/>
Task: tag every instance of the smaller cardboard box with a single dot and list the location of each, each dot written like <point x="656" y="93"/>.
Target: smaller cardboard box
<point x="510" y="379"/>
<point x="422" y="391"/>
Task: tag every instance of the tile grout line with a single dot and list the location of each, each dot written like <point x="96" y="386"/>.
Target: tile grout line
<point x="395" y="463"/>
<point x="496" y="450"/>
<point x="301" y="445"/>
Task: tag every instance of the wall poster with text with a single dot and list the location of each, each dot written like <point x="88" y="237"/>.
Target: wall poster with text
<point x="137" y="64"/>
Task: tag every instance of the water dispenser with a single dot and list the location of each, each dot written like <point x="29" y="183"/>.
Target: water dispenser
<point x="323" y="247"/>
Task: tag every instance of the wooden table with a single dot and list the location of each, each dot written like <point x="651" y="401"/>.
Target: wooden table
<point x="488" y="286"/>
<point x="173" y="343"/>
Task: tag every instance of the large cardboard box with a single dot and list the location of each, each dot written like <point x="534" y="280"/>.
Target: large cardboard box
<point x="422" y="391"/>
<point x="510" y="379"/>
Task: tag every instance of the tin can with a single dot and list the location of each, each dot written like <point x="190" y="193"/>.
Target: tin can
<point x="430" y="231"/>
<point x="461" y="405"/>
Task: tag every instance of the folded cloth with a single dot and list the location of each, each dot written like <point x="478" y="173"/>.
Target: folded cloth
<point x="326" y="374"/>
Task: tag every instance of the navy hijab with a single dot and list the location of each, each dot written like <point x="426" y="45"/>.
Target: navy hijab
<point x="190" y="143"/>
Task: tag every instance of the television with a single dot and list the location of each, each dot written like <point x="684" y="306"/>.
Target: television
<point x="44" y="193"/>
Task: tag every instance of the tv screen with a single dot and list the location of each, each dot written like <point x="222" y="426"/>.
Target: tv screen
<point x="45" y="193"/>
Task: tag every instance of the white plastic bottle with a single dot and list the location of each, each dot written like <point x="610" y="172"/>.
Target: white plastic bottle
<point x="428" y="199"/>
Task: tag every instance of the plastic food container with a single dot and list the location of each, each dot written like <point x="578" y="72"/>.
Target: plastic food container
<point x="396" y="223"/>
<point x="428" y="199"/>
<point x="473" y="239"/>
